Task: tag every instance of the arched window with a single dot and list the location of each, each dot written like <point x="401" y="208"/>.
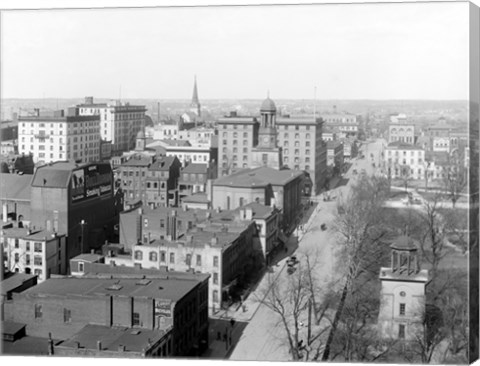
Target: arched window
<point x="153" y="256"/>
<point x="138" y="255"/>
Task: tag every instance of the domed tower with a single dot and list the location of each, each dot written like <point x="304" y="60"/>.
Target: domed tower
<point x="141" y="141"/>
<point x="402" y="297"/>
<point x="266" y="153"/>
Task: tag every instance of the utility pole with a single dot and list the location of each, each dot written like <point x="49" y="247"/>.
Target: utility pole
<point x="83" y="239"/>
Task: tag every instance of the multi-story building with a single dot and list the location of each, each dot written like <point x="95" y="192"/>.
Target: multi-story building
<point x="15" y="197"/>
<point x="401" y="132"/>
<point x="156" y="305"/>
<point x="198" y="136"/>
<point x="38" y="252"/>
<point x="150" y="180"/>
<point x="267" y="186"/>
<point x="75" y="199"/>
<point x="61" y="136"/>
<point x="404" y="160"/>
<point x="335" y="154"/>
<point x="119" y="122"/>
<point x="250" y="142"/>
<point x="195" y="178"/>
<point x="345" y="123"/>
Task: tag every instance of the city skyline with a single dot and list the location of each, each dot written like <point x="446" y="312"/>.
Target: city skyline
<point x="399" y="51"/>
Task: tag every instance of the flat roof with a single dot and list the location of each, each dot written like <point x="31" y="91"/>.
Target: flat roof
<point x="258" y="177"/>
<point x="134" y="339"/>
<point x="15" y="186"/>
<point x="156" y="288"/>
<point x="14" y="281"/>
<point x="87" y="257"/>
<point x="196" y="198"/>
<point x="195" y="168"/>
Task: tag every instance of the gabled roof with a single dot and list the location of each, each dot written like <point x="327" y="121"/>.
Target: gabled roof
<point x="55" y="175"/>
<point x="15" y="187"/>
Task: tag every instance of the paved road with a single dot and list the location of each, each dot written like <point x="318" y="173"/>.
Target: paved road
<point x="264" y="339"/>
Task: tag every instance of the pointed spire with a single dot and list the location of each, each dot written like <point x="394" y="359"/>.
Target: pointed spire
<point x="195" y="100"/>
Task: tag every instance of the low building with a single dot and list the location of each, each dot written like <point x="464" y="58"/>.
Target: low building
<point x="17" y="282"/>
<point x="15" y="197"/>
<point x="62" y="307"/>
<point x="196" y="201"/>
<point x="103" y="341"/>
<point x="39" y="252"/>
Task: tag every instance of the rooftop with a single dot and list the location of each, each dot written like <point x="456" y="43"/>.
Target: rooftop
<point x="386" y="273"/>
<point x="195" y="168"/>
<point x="404" y="243"/>
<point x="196" y="198"/>
<point x="111" y="338"/>
<point x="258" y="177"/>
<point x="138" y="160"/>
<point x="155" y="288"/>
<point x="399" y="145"/>
<point x="15" y="187"/>
<point x="163" y="163"/>
<point x="14" y="281"/>
<point x="87" y="257"/>
<point x="258" y="210"/>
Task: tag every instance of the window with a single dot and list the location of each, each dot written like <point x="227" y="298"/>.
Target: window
<point x="245" y="150"/>
<point x="188" y="259"/>
<point x="67" y="315"/>
<point x="17" y="257"/>
<point x="199" y="260"/>
<point x="245" y="134"/>
<point x="172" y="258"/>
<point x="153" y="257"/>
<point x="401" y="331"/>
<point x="162" y="223"/>
<point x="81" y="266"/>
<point x="215" y="261"/>
<point x="307" y="152"/>
<point x="162" y="256"/>
<point x="235" y="135"/>
<point x="37" y="260"/>
<point x="38" y="311"/>
<point x="215" y="278"/>
<point x="297" y="143"/>
<point x="138" y="255"/>
<point x="297" y="136"/>
<point x="297" y="151"/>
<point x="307" y="144"/>
<point x="402" y="309"/>
<point x="16" y="243"/>
<point x="285" y="151"/>
<point x="307" y="135"/>
<point x="215" y="296"/>
<point x="135" y="319"/>
<point x="27" y="259"/>
<point x="245" y="142"/>
<point x="145" y="222"/>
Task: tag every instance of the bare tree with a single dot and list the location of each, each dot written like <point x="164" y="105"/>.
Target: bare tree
<point x="454" y="179"/>
<point x="357" y="224"/>
<point x="294" y="300"/>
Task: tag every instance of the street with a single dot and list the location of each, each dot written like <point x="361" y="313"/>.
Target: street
<point x="264" y="339"/>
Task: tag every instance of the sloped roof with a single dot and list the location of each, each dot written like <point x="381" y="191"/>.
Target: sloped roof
<point x="196" y="198"/>
<point x="55" y="175"/>
<point x="15" y="187"/>
<point x="138" y="160"/>
<point x="258" y="177"/>
<point x="164" y="163"/>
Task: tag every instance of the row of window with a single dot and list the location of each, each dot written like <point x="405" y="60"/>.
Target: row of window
<point x="153" y="257"/>
<point x="38" y="248"/>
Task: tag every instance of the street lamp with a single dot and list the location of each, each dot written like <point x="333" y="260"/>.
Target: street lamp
<point x="82" y="223"/>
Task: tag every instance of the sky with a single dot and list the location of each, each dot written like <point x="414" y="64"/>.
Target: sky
<point x="327" y="51"/>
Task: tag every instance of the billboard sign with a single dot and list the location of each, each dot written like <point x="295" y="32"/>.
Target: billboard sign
<point x="91" y="181"/>
<point x="163" y="308"/>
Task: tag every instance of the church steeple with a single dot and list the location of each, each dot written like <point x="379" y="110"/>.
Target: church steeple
<point x="195" y="105"/>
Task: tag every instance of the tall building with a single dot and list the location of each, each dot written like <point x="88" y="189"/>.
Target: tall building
<point x="119" y="122"/>
<point x="75" y="199"/>
<point x="195" y="106"/>
<point x="277" y="142"/>
<point x="402" y="302"/>
<point x="60" y="136"/>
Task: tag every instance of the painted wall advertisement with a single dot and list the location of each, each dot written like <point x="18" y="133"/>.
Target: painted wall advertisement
<point x="91" y="181"/>
<point x="163" y="308"/>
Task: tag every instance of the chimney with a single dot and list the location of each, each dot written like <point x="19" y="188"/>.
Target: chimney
<point x="248" y="213"/>
<point x="214" y="240"/>
<point x="88" y="100"/>
<point x="77" y="345"/>
<point x="99" y="345"/>
<point x="172" y="225"/>
<point x="121" y="348"/>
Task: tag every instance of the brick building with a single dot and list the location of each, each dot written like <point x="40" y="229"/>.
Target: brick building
<point x="75" y="199"/>
<point x="150" y="180"/>
<point x="251" y="142"/>
<point x="267" y="186"/>
<point x="62" y="307"/>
